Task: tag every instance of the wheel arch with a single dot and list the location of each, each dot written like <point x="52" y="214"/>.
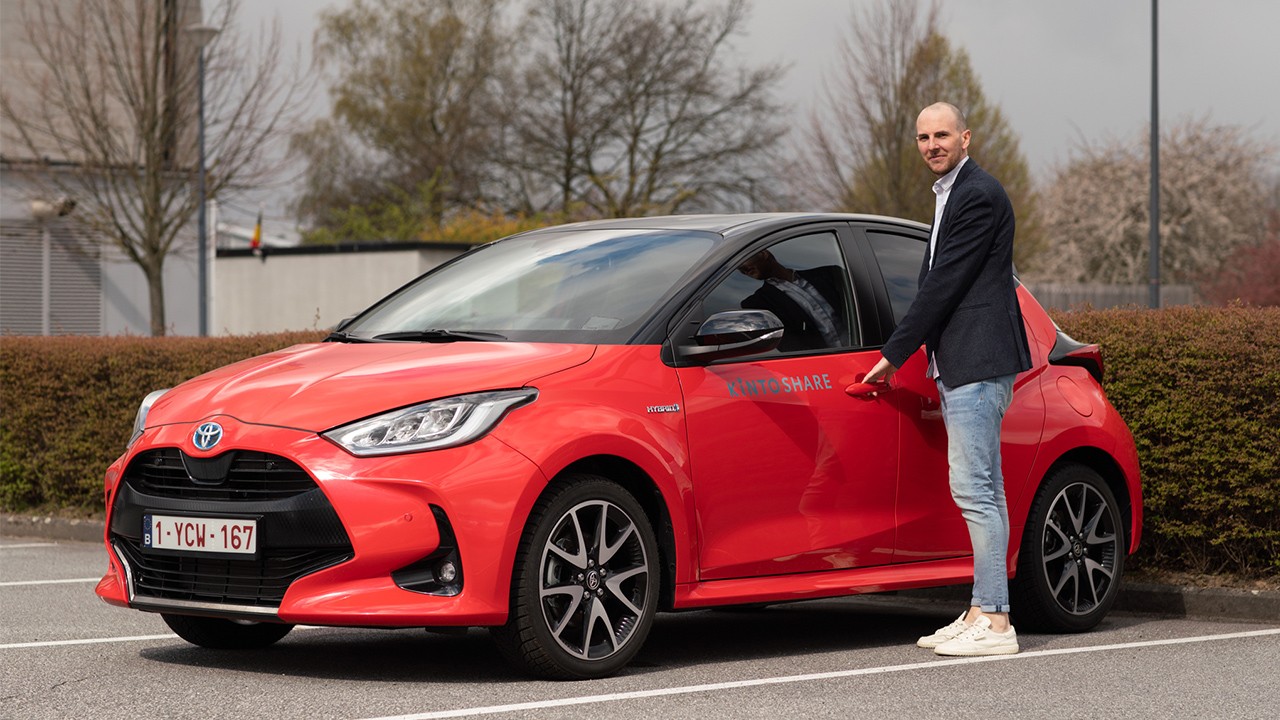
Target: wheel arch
<point x="639" y="485"/>
<point x="1112" y="474"/>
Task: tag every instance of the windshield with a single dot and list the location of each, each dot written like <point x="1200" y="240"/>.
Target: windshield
<point x="583" y="286"/>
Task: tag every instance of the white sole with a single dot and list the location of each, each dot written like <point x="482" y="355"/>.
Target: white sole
<point x="978" y="653"/>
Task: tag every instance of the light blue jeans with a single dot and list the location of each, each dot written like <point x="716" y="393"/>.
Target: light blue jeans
<point x="973" y="414"/>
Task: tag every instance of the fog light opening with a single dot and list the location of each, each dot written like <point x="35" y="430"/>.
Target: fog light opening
<point x="439" y="573"/>
<point x="446" y="572"/>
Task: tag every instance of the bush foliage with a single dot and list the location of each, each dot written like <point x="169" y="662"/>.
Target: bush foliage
<point x="1199" y="387"/>
<point x="67" y="406"/>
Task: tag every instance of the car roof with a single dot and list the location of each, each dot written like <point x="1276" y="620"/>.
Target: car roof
<point x="726" y="223"/>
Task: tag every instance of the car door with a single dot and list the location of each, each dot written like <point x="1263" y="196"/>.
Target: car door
<point x="790" y="473"/>
<point x="929" y="524"/>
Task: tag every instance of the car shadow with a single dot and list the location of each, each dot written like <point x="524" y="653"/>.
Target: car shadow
<point x="401" y="655"/>
<point x="815" y="626"/>
<point x="676" y="640"/>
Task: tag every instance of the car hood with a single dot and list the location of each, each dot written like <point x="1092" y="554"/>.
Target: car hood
<point x="320" y="386"/>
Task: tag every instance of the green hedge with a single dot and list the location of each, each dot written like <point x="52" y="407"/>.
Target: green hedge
<point x="67" y="405"/>
<point x="1199" y="387"/>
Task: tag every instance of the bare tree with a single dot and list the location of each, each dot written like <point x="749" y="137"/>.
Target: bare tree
<point x="561" y="114"/>
<point x="414" y="88"/>
<point x="635" y="108"/>
<point x="107" y="116"/>
<point x="1213" y="181"/>
<point x="860" y="154"/>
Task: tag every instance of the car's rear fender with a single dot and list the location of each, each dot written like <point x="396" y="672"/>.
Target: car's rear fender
<point x="1104" y="450"/>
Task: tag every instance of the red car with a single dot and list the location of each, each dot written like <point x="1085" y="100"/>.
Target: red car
<point x="558" y="434"/>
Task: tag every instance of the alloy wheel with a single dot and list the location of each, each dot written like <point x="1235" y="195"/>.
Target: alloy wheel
<point x="1081" y="548"/>
<point x="594" y="583"/>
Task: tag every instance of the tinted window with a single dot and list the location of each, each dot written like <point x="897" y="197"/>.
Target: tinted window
<point x="802" y="281"/>
<point x="899" y="257"/>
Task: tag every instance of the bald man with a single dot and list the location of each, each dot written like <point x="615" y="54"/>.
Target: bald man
<point x="966" y="314"/>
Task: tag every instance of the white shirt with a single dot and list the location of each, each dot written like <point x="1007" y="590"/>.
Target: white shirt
<point x="942" y="189"/>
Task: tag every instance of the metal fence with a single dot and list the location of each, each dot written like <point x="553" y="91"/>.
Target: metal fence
<point x="1068" y="296"/>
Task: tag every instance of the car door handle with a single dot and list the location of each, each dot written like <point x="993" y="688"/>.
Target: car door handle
<point x="868" y="391"/>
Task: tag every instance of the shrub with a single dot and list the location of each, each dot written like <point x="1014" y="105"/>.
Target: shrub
<point x="1199" y="389"/>
<point x="67" y="405"/>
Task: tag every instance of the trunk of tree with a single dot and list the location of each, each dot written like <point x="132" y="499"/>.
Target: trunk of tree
<point x="155" y="291"/>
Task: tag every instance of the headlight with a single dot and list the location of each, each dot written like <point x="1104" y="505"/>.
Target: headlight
<point x="140" y="420"/>
<point x="430" y="426"/>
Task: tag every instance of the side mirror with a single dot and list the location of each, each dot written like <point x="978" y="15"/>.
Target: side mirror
<point x="733" y="333"/>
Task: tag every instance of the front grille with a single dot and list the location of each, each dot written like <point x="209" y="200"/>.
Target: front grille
<point x="259" y="582"/>
<point x="233" y="475"/>
<point x="298" y="530"/>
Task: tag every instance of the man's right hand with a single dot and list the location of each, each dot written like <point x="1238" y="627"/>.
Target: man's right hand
<point x="883" y="370"/>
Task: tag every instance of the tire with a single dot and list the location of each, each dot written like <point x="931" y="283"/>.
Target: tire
<point x="219" y="634"/>
<point x="585" y="585"/>
<point x="1073" y="550"/>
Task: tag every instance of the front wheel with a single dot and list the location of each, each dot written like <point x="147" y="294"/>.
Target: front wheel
<point x="585" y="587"/>
<point x="219" y="634"/>
<point x="1072" y="556"/>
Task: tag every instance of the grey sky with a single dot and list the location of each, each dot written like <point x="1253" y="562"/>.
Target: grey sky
<point x="1063" y="72"/>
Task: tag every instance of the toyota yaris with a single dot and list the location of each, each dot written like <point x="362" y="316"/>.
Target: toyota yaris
<point x="561" y="433"/>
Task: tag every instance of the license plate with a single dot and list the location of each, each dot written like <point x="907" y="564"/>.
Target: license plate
<point x="215" y="535"/>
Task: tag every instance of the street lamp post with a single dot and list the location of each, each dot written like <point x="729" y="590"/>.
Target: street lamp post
<point x="200" y="35"/>
<point x="1153" y="229"/>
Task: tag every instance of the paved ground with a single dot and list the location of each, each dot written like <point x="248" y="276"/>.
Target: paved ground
<point x="65" y="654"/>
<point x="1136" y="597"/>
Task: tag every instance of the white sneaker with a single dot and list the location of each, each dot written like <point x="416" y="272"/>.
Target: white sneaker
<point x="944" y="634"/>
<point x="980" y="639"/>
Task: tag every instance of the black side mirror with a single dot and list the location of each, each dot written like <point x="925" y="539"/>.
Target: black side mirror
<point x="733" y="333"/>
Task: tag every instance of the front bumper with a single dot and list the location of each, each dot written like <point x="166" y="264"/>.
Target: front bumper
<point x="333" y="528"/>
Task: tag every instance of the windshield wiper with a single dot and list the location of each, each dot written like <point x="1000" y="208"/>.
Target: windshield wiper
<point x="344" y="337"/>
<point x="440" y="336"/>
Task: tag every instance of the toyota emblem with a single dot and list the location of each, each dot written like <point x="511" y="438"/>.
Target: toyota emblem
<point x="207" y="436"/>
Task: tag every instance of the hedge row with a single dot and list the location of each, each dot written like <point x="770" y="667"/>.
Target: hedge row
<point x="1199" y="387"/>
<point x="67" y="406"/>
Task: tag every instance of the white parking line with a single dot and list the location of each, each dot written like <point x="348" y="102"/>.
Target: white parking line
<point x="87" y="641"/>
<point x="688" y="689"/>
<point x="27" y="545"/>
<point x="132" y="638"/>
<point x="49" y="582"/>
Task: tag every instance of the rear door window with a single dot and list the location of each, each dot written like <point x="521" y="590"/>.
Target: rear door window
<point x="899" y="257"/>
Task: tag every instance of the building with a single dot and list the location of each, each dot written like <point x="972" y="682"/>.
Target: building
<point x="57" y="274"/>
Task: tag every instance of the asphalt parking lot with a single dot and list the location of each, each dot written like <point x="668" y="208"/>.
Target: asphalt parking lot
<point x="65" y="654"/>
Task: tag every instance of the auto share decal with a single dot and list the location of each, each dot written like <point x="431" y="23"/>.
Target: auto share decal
<point x="755" y="387"/>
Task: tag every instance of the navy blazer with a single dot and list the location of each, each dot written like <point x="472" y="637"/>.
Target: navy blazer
<point x="966" y="311"/>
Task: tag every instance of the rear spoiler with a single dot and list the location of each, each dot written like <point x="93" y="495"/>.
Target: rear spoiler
<point x="1067" y="351"/>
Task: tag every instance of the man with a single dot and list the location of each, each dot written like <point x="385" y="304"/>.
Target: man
<point x="966" y="314"/>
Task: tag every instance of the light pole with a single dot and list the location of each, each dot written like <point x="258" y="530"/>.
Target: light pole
<point x="1153" y="230"/>
<point x="200" y="35"/>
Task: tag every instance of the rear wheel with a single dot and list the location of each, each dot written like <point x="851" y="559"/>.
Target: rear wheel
<point x="1072" y="556"/>
<point x="585" y="588"/>
<point x="219" y="634"/>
